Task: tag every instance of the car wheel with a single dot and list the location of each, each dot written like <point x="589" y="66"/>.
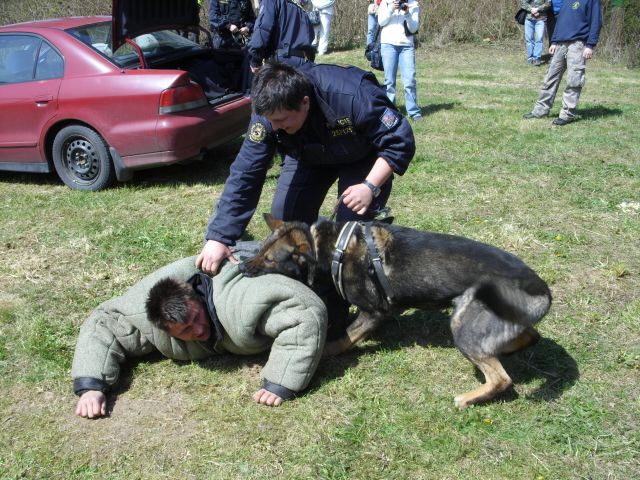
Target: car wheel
<point x="82" y="159"/>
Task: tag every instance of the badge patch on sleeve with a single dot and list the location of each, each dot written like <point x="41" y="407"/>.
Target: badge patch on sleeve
<point x="257" y="132"/>
<point x="389" y="118"/>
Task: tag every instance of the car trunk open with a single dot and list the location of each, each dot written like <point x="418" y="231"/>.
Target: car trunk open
<point x="222" y="74"/>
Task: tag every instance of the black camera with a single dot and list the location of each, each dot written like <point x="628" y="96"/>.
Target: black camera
<point x="403" y="4"/>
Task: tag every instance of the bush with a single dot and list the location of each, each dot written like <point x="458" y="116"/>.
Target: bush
<point x="442" y="22"/>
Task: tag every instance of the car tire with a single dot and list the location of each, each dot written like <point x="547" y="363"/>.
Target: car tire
<point x="82" y="159"/>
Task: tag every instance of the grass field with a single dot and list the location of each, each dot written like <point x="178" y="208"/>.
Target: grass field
<point x="565" y="199"/>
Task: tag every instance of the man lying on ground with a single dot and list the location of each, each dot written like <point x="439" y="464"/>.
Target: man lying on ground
<point x="188" y="315"/>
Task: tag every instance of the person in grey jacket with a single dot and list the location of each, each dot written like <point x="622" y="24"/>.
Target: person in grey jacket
<point x="187" y="315"/>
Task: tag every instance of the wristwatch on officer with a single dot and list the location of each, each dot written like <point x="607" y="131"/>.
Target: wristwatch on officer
<point x="374" y="189"/>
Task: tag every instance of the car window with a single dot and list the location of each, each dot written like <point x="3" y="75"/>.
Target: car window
<point x="154" y="45"/>
<point x="50" y="63"/>
<point x="18" y="55"/>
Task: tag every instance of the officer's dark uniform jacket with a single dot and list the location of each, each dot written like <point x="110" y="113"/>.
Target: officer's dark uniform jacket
<point x="283" y="30"/>
<point x="224" y="13"/>
<point x="350" y="120"/>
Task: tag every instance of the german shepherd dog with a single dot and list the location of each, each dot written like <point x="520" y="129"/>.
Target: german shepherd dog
<point x="497" y="299"/>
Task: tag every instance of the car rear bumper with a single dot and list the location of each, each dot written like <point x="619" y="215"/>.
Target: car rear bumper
<point x="184" y="136"/>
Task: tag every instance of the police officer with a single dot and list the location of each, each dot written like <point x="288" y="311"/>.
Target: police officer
<point x="283" y="32"/>
<point x="329" y="122"/>
<point x="231" y="21"/>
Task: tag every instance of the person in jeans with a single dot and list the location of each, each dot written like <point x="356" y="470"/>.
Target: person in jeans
<point x="534" y="28"/>
<point x="399" y="20"/>
<point x="372" y="19"/>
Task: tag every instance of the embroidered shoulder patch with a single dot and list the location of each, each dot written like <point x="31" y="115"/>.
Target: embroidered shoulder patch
<point x="257" y="132"/>
<point x="389" y="118"/>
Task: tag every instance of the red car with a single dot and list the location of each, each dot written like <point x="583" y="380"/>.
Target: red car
<point x="95" y="98"/>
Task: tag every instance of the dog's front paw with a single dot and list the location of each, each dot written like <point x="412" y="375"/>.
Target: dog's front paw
<point x="461" y="401"/>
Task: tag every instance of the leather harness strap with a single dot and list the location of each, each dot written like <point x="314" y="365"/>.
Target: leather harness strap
<point x="377" y="262"/>
<point x="338" y="255"/>
<point x="336" y="263"/>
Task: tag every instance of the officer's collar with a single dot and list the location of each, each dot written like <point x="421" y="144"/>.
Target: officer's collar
<point x="327" y="111"/>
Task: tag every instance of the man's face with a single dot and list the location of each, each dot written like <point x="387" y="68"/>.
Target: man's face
<point x="289" y="120"/>
<point x="197" y="327"/>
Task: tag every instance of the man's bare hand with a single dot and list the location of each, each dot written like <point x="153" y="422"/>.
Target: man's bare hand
<point x="92" y="404"/>
<point x="358" y="198"/>
<point x="212" y="255"/>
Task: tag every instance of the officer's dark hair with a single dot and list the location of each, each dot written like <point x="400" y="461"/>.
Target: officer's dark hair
<point x="278" y="86"/>
<point x="169" y="302"/>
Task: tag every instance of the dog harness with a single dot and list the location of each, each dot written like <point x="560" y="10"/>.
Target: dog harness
<point x="338" y="255"/>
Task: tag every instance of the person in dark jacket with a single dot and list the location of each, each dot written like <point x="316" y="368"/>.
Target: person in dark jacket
<point x="576" y="35"/>
<point x="231" y="22"/>
<point x="329" y="122"/>
<point x="282" y="32"/>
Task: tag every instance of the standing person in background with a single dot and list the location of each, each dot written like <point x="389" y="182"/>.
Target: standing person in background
<point x="194" y="37"/>
<point x="576" y="35"/>
<point x="552" y="17"/>
<point x="322" y="31"/>
<point x="282" y="32"/>
<point x="230" y="20"/>
<point x="534" y="28"/>
<point x="399" y="20"/>
<point x="372" y="19"/>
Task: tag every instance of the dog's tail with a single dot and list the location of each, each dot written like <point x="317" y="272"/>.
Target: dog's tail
<point x="524" y="304"/>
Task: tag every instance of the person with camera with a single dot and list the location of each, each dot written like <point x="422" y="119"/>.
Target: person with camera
<point x="231" y="22"/>
<point x="399" y="20"/>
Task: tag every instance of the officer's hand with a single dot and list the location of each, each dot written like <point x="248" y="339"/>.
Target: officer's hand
<point x="244" y="31"/>
<point x="92" y="404"/>
<point x="233" y="28"/>
<point x="358" y="198"/>
<point x="212" y="254"/>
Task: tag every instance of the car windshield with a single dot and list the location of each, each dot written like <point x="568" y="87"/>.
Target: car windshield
<point x="156" y="45"/>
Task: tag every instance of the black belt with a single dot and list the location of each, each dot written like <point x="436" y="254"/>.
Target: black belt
<point x="291" y="52"/>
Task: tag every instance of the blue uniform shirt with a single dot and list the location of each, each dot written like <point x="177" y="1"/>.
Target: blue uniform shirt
<point x="283" y="29"/>
<point x="350" y="120"/>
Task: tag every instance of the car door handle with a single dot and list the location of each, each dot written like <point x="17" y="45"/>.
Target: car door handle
<point x="41" y="99"/>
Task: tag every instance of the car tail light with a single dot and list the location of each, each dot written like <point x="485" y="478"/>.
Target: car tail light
<point x="179" y="99"/>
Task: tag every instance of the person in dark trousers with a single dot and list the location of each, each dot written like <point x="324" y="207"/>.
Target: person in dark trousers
<point x="231" y="22"/>
<point x="282" y="32"/>
<point x="328" y="122"/>
<point x="576" y="35"/>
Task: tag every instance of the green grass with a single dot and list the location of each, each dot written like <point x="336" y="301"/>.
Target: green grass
<point x="554" y="196"/>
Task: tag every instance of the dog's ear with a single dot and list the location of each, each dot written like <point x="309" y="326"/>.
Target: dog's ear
<point x="307" y="252"/>
<point x="272" y="221"/>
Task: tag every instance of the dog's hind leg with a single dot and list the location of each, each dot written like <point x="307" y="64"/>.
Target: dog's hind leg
<point x="497" y="381"/>
<point x="364" y="324"/>
<point x="526" y="339"/>
<point x="481" y="336"/>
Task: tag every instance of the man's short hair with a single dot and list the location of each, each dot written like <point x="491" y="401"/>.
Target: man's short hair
<point x="278" y="86"/>
<point x="169" y="302"/>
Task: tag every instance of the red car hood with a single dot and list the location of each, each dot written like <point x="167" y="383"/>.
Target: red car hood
<point x="132" y="18"/>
